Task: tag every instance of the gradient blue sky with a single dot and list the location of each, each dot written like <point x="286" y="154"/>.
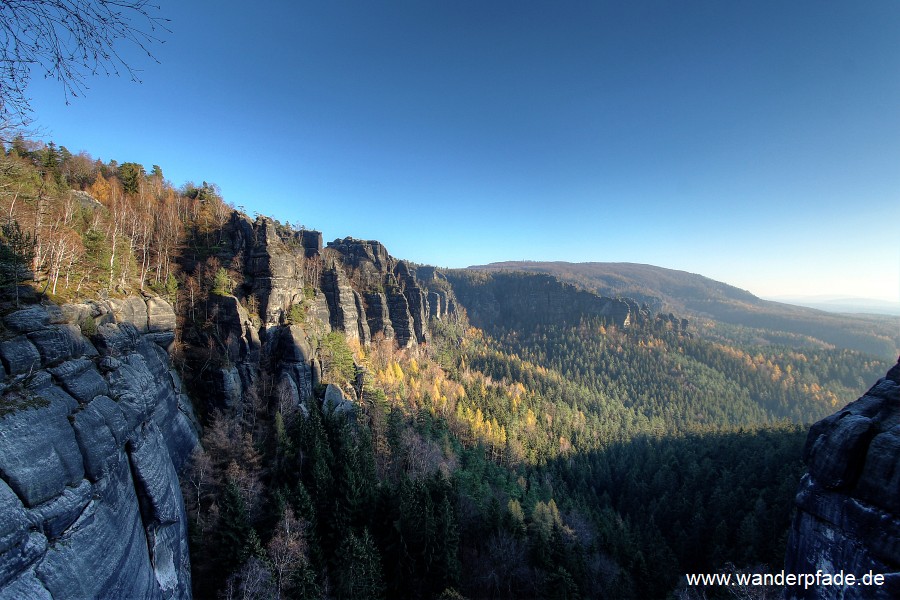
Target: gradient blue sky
<point x="757" y="143"/>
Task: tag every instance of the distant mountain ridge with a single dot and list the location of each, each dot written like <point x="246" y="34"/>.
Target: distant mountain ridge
<point x="669" y="288"/>
<point x="695" y="295"/>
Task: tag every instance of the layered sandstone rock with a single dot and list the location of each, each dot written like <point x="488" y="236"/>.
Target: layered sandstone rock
<point x="92" y="433"/>
<point x="848" y="505"/>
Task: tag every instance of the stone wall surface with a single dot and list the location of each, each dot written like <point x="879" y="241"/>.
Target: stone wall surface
<point x="93" y="430"/>
<point x="848" y="505"/>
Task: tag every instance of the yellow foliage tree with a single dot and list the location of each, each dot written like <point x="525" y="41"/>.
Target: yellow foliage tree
<point x="101" y="189"/>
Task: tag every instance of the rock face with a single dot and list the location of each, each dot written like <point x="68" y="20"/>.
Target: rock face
<point x="378" y="315"/>
<point x="295" y="366"/>
<point x="352" y="286"/>
<point x="344" y="304"/>
<point x="848" y="505"/>
<point x="275" y="273"/>
<point x="389" y="298"/>
<point x="92" y="433"/>
<point x="289" y="293"/>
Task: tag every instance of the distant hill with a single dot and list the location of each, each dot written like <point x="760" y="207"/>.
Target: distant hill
<point x="691" y="294"/>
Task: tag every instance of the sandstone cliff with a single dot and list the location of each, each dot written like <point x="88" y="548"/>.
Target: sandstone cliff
<point x="301" y="291"/>
<point x="353" y="286"/>
<point x="92" y="432"/>
<point x="848" y="506"/>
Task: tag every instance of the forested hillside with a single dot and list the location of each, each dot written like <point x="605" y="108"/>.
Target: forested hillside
<point x="371" y="455"/>
<point x="723" y="309"/>
<point x="83" y="227"/>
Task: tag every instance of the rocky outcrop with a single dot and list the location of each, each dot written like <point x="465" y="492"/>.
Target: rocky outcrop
<point x="289" y="292"/>
<point x="345" y="305"/>
<point x="275" y="273"/>
<point x="352" y="286"/>
<point x="389" y="298"/>
<point x="416" y="299"/>
<point x="440" y="299"/>
<point x="296" y="372"/>
<point x="848" y="505"/>
<point x="378" y="315"/>
<point x="334" y="401"/>
<point x="278" y="264"/>
<point x="438" y="304"/>
<point x="231" y="366"/>
<point x="311" y="242"/>
<point x="401" y="318"/>
<point x="92" y="433"/>
<point x="366" y="260"/>
<point x="668" y="321"/>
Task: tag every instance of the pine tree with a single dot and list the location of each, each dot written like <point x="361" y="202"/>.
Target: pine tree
<point x="360" y="578"/>
<point x="446" y="566"/>
<point x="235" y="538"/>
<point x="17" y="250"/>
<point x="131" y="174"/>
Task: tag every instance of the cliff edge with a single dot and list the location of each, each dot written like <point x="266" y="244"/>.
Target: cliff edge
<point x="848" y="505"/>
<point x="93" y="428"/>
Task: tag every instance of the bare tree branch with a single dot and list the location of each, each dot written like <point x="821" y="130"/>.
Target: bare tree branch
<point x="69" y="40"/>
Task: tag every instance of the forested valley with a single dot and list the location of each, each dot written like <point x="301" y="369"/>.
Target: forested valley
<point x="561" y="460"/>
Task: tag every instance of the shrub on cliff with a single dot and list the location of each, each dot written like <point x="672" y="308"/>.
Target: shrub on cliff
<point x="337" y="358"/>
<point x="222" y="284"/>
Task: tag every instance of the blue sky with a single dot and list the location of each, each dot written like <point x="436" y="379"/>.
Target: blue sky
<point x="757" y="143"/>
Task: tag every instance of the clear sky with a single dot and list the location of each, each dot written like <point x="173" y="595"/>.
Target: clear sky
<point x="757" y="143"/>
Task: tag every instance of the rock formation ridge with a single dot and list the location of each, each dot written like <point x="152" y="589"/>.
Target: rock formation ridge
<point x="302" y="291"/>
<point x="848" y="505"/>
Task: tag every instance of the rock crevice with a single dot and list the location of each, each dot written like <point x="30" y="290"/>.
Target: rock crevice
<point x="92" y="432"/>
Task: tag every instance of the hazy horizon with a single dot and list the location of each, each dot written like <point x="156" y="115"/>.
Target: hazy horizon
<point x="751" y="144"/>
